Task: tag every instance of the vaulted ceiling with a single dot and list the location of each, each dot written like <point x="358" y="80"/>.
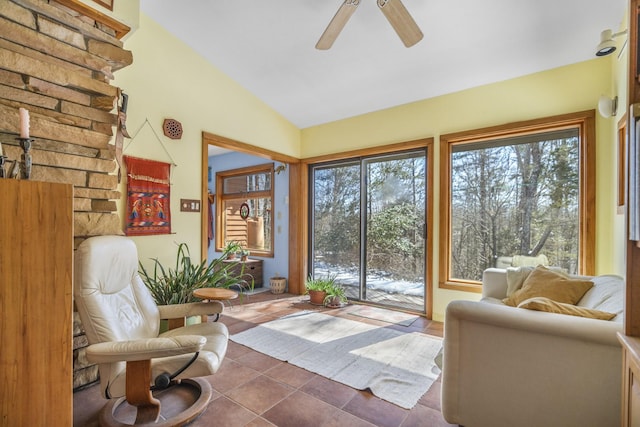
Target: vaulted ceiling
<point x="268" y="47"/>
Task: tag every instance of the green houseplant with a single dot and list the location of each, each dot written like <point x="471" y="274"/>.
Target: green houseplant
<point x="176" y="285"/>
<point x="318" y="288"/>
<point x="336" y="295"/>
<point x="232" y="248"/>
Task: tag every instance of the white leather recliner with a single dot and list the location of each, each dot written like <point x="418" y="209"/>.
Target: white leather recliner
<point x="122" y="323"/>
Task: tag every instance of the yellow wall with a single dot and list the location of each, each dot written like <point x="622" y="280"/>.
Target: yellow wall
<point x="559" y="91"/>
<point x="620" y="67"/>
<point x="169" y="80"/>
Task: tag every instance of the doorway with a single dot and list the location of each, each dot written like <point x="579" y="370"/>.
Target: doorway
<point x="279" y="262"/>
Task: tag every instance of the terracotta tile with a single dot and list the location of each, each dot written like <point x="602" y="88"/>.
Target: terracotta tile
<point x="260" y="394"/>
<point x="377" y="411"/>
<point x="240" y="312"/>
<point x="239" y="326"/>
<point x="432" y="397"/>
<point x="342" y="418"/>
<point x="230" y="375"/>
<point x="258" y="361"/>
<point x="235" y="350"/>
<point x="264" y="318"/>
<point x="421" y="416"/>
<point x="329" y="391"/>
<point x="260" y="422"/>
<point x="87" y="403"/>
<point x="290" y="374"/>
<point x="300" y="409"/>
<point x="224" y="412"/>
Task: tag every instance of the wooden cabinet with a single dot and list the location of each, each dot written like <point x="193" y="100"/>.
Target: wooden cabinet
<point x="36" y="272"/>
<point x="630" y="380"/>
<point x="251" y="270"/>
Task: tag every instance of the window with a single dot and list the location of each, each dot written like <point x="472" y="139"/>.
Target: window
<point x="244" y="209"/>
<point x="521" y="194"/>
<point x="369" y="216"/>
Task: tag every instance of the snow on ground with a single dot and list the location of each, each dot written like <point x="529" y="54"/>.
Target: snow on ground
<point x="378" y="281"/>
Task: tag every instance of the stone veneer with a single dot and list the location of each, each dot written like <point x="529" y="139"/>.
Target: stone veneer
<point x="58" y="64"/>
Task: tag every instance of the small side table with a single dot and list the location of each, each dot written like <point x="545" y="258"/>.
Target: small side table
<point x="215" y="294"/>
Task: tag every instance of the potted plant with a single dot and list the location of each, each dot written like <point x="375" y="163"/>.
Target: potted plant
<point x="244" y="254"/>
<point x="176" y="285"/>
<point x="336" y="295"/>
<point x="231" y="249"/>
<point x="317" y="288"/>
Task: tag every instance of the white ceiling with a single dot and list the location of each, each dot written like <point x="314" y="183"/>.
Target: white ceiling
<point x="268" y="47"/>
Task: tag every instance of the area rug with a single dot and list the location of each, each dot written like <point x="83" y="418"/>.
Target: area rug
<point x="396" y="366"/>
<point x="384" y="315"/>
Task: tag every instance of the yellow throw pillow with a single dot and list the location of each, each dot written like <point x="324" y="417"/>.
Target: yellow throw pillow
<point x="550" y="306"/>
<point x="543" y="282"/>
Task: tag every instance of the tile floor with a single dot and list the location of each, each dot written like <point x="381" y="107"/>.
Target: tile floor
<point x="252" y="389"/>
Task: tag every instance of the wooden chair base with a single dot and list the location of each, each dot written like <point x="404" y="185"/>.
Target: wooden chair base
<point x="118" y="413"/>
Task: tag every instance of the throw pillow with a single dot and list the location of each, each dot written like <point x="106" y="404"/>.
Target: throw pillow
<point x="550" y="306"/>
<point x="543" y="282"/>
<point x="516" y="277"/>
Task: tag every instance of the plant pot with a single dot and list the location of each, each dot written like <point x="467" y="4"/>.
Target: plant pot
<point x="333" y="302"/>
<point x="317" y="297"/>
<point x="277" y="285"/>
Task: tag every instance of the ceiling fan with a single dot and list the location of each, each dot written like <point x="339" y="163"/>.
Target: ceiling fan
<point x="394" y="10"/>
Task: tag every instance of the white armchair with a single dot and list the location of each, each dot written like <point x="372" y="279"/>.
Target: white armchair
<point x="122" y="325"/>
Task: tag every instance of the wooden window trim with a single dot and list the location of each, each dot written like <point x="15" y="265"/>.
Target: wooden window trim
<point x="585" y="122"/>
<point x="221" y="197"/>
<point x="622" y="163"/>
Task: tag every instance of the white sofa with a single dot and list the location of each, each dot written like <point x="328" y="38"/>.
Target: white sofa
<point x="514" y="367"/>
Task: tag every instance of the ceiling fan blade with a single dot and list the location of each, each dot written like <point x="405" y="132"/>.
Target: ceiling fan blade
<point x="337" y="24"/>
<point x="401" y="21"/>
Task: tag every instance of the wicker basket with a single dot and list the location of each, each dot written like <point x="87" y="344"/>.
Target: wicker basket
<point x="277" y="285"/>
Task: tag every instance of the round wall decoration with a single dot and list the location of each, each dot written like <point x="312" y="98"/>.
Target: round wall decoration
<point x="244" y="211"/>
<point x="172" y="128"/>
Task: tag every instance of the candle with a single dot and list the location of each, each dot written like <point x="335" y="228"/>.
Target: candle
<point x="24" y="123"/>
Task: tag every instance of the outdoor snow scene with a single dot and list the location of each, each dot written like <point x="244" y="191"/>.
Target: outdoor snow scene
<point x="513" y="201"/>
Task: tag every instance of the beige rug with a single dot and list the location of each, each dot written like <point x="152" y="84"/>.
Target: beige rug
<point x="396" y="366"/>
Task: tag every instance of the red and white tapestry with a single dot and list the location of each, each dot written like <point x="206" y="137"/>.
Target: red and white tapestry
<point x="148" y="200"/>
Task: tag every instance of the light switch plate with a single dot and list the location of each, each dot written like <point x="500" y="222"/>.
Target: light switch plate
<point x="189" y="205"/>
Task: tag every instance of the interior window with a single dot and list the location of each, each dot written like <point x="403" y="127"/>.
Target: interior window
<point x="244" y="209"/>
<point x="518" y="195"/>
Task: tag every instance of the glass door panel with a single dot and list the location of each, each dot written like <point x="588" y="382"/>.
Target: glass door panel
<point x="335" y="230"/>
<point x="395" y="201"/>
<point x="368" y="228"/>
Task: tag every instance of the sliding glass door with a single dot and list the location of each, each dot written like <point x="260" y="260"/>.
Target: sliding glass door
<point x="368" y="227"/>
